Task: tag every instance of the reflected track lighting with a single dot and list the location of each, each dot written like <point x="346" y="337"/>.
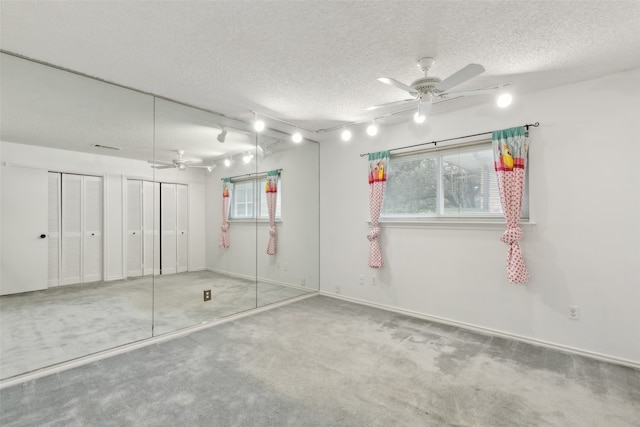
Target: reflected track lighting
<point x="296" y="137"/>
<point x="227" y="162"/>
<point x="222" y="136"/>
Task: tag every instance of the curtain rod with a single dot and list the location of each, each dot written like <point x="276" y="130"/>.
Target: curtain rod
<point x="249" y="174"/>
<point x="535" y="125"/>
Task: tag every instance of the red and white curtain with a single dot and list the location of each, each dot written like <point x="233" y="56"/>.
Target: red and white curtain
<point x="271" y="189"/>
<point x="510" y="147"/>
<point x="377" y="182"/>
<point x="226" y="197"/>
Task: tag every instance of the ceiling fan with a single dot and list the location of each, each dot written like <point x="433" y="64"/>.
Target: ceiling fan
<point x="430" y="90"/>
<point x="179" y="163"/>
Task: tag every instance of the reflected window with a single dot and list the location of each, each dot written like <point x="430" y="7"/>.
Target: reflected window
<point x="249" y="200"/>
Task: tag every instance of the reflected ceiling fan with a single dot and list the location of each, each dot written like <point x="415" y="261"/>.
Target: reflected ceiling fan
<point x="430" y="90"/>
<point x="179" y="163"/>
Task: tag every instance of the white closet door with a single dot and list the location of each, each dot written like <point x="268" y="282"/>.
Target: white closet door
<point x="71" y="229"/>
<point x="151" y="227"/>
<point x="168" y="226"/>
<point x="54" y="229"/>
<point x="23" y="265"/>
<point x="92" y="245"/>
<point x="182" y="214"/>
<point x="134" y="228"/>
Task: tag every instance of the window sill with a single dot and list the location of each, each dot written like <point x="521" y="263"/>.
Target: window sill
<point x="453" y="223"/>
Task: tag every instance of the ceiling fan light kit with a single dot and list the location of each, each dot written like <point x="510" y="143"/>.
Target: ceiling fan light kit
<point x="429" y="90"/>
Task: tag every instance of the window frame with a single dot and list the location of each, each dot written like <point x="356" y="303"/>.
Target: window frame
<point x="440" y="217"/>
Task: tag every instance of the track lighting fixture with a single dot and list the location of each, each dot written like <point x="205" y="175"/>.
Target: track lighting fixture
<point x="258" y="124"/>
<point x="222" y="136"/>
<point x="346" y="134"/>
<point x="372" y="129"/>
<point x="504" y="99"/>
<point x="296" y="137"/>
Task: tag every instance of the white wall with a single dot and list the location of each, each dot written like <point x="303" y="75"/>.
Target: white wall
<point x="584" y="248"/>
<point x="115" y="170"/>
<point x="298" y="233"/>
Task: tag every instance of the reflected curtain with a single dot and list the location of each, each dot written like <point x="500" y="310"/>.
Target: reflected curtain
<point x="271" y="188"/>
<point x="226" y="197"/>
<point x="377" y="183"/>
<point x="510" y="147"/>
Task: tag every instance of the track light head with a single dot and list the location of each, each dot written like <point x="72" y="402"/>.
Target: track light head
<point x="345" y="135"/>
<point x="222" y="136"/>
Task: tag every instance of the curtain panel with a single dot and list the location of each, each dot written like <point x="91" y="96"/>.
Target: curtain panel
<point x="226" y="197"/>
<point x="271" y="189"/>
<point x="377" y="183"/>
<point x="510" y="148"/>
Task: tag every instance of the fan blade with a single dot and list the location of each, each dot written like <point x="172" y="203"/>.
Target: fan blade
<point x="397" y="84"/>
<point x="194" y="166"/>
<point x="160" y="162"/>
<point x="469" y="93"/>
<point x="387" y="104"/>
<point x="171" y="166"/>
<point x="459" y="77"/>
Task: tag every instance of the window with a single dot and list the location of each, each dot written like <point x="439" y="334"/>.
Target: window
<point x="249" y="200"/>
<point x="444" y="182"/>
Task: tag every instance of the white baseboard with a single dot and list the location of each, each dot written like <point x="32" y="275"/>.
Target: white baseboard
<point x="492" y="332"/>
<point x="112" y="278"/>
<point x="30" y="376"/>
<point x="262" y="279"/>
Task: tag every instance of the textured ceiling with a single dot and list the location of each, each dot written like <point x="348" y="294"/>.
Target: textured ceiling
<point x="315" y="63"/>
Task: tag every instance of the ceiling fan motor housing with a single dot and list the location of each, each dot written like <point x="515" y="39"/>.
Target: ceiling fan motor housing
<point x="425" y="85"/>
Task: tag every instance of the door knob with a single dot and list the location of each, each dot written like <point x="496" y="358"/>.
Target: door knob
<point x="42" y="236"/>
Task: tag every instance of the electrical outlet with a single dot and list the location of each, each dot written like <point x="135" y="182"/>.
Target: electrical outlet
<point x="373" y="281"/>
<point x="207" y="294"/>
<point x="303" y="281"/>
<point x="338" y="289"/>
<point x="362" y="279"/>
<point x="574" y="312"/>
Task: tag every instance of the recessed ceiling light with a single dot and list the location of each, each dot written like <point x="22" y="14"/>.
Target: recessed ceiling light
<point x="296" y="137"/>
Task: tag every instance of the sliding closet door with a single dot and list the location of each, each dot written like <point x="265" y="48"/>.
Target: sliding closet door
<point x="134" y="228"/>
<point x="182" y="204"/>
<point x="151" y="227"/>
<point x="92" y="229"/>
<point x="168" y="226"/>
<point x="71" y="229"/>
<point x="54" y="229"/>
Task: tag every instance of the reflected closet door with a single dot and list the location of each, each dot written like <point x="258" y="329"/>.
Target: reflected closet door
<point x="151" y="227"/>
<point x="168" y="225"/>
<point x="54" y="229"/>
<point x="134" y="228"/>
<point x="92" y="229"/>
<point x="182" y="214"/>
<point x="24" y="221"/>
<point x="71" y="229"/>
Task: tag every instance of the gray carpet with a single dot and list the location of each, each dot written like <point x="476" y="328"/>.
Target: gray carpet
<point x="38" y="329"/>
<point x="326" y="362"/>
